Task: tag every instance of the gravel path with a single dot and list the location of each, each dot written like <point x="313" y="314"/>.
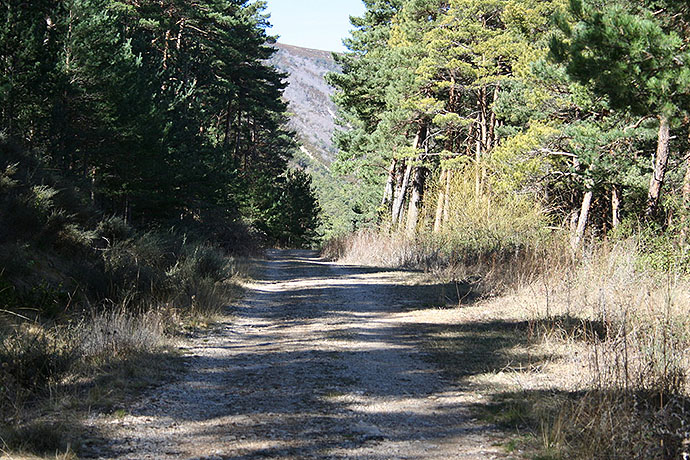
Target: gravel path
<point x="317" y="362"/>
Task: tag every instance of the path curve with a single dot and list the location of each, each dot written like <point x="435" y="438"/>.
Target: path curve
<point x="317" y="362"/>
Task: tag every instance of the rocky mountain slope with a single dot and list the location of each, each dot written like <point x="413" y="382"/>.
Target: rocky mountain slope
<point x="313" y="112"/>
<point x="313" y="117"/>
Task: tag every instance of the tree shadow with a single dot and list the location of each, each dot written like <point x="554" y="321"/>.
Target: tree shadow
<point x="571" y="327"/>
<point x="602" y="424"/>
<point x="295" y="396"/>
<point x="465" y="350"/>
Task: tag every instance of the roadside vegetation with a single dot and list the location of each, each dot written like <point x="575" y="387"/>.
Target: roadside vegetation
<point x="90" y="307"/>
<point x="143" y="157"/>
<point x="583" y="358"/>
<point x="534" y="154"/>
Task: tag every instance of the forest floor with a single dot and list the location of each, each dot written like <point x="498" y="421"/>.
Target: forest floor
<point x="320" y="360"/>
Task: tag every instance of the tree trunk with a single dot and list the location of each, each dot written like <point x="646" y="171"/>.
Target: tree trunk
<point x="438" y="221"/>
<point x="400" y="197"/>
<point x="493" y="137"/>
<point x="179" y="35"/>
<point x="388" y="191"/>
<point x="615" y="207"/>
<point x="477" y="172"/>
<point x="657" y="180"/>
<point x="127" y="211"/>
<point x="228" y="124"/>
<point x="582" y="221"/>
<point x="686" y="202"/>
<point x="398" y="176"/>
<point x="396" y="217"/>
<point x="686" y="183"/>
<point x="92" y="185"/>
<point x="446" y="205"/>
<point x="483" y="109"/>
<point x="166" y="49"/>
<point x="416" y="199"/>
<point x="238" y="134"/>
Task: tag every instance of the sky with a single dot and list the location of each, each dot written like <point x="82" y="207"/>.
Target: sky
<point x="318" y="24"/>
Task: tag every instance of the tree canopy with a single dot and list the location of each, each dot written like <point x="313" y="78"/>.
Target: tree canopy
<point x="559" y="103"/>
<point x="163" y="111"/>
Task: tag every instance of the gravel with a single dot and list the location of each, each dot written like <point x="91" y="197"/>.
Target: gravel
<point x="316" y="362"/>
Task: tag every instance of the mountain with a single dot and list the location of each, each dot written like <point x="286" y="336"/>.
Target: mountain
<point x="312" y="116"/>
<point x="309" y="96"/>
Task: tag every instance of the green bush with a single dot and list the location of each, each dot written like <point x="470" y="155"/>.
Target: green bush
<point x="113" y="229"/>
<point x="202" y="262"/>
<point x="136" y="268"/>
<point x="658" y="249"/>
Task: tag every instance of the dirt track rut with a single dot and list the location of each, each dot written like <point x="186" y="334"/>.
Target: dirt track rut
<point x="316" y="362"/>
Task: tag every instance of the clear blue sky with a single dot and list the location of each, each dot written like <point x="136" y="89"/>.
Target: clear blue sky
<point x="319" y="24"/>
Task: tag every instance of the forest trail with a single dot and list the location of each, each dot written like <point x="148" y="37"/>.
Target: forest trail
<point x="316" y="362"/>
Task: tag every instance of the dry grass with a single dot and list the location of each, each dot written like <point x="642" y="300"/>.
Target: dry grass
<point x="118" y="334"/>
<point x="502" y="237"/>
<point x="89" y="305"/>
<point x="37" y="441"/>
<point x="19" y="456"/>
<point x="368" y="247"/>
<point x="491" y="270"/>
<point x="54" y="372"/>
<point x="590" y="357"/>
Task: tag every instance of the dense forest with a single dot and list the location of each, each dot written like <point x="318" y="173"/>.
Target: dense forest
<point x="142" y="144"/>
<point x="578" y="109"/>
<point x="125" y="119"/>
<point x="159" y="112"/>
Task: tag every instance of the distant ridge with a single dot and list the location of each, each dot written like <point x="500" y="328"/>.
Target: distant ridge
<point x="307" y="52"/>
<point x="313" y="112"/>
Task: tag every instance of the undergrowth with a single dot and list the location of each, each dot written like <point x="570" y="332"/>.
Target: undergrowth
<point x="617" y="326"/>
<point x="84" y="296"/>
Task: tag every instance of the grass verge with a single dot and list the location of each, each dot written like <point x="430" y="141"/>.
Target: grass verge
<point x="56" y="373"/>
<point x="574" y="360"/>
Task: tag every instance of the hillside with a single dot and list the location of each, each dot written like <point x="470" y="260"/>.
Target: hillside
<point x="313" y="117"/>
<point x="311" y="108"/>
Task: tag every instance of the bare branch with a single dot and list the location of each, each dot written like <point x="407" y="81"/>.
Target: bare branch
<point x="638" y="123"/>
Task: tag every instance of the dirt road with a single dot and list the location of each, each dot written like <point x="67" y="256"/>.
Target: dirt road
<point x="317" y="362"/>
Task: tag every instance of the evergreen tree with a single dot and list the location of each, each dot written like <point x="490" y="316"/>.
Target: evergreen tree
<point x="164" y="111"/>
<point x="365" y="144"/>
<point x="634" y="56"/>
<point x="29" y="49"/>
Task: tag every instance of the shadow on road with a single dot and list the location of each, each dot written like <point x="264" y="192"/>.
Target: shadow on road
<point x="320" y="366"/>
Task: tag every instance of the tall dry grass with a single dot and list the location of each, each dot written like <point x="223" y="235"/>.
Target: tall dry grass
<point x="632" y="398"/>
<point x="606" y="306"/>
<point x="156" y="286"/>
<point x="634" y="402"/>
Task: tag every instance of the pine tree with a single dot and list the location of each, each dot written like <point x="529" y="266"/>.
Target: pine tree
<point x="165" y="111"/>
<point x="29" y="50"/>
<point x="366" y="145"/>
<point x="633" y="56"/>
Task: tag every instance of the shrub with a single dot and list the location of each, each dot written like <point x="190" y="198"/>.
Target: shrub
<point x="31" y="357"/>
<point x="113" y="229"/>
<point x="118" y="334"/>
<point x="475" y="229"/>
<point x="137" y="268"/>
<point x="203" y="262"/>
